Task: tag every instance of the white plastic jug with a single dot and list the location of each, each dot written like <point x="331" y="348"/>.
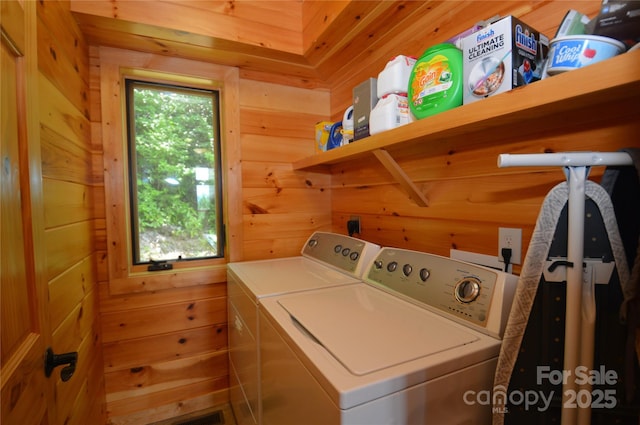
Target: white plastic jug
<point x="394" y="78"/>
<point x="390" y="112"/>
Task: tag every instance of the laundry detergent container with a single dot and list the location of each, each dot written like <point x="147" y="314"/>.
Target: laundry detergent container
<point x="390" y="112"/>
<point x="394" y="78"/>
<point x="435" y="84"/>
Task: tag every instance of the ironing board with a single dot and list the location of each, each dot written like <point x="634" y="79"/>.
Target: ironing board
<point x="580" y="304"/>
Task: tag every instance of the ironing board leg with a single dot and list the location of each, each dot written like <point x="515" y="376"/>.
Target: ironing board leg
<point x="576" y="178"/>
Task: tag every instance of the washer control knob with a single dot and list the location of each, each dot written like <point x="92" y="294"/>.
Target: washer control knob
<point x="377" y="264"/>
<point x="313" y="243"/>
<point x="337" y="248"/>
<point x="407" y="269"/>
<point x="354" y="255"/>
<point x="424" y="274"/>
<point x="467" y="290"/>
<point x="392" y="266"/>
<point x="346" y="251"/>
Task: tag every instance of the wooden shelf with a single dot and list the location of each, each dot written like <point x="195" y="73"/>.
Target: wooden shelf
<point x="585" y="93"/>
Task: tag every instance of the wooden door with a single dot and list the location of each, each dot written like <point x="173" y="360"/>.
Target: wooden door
<point x="25" y="391"/>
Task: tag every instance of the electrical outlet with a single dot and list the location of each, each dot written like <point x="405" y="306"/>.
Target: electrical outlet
<point x="353" y="225"/>
<point x="510" y="238"/>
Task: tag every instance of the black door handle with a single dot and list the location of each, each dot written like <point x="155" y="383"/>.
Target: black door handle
<point x="51" y="361"/>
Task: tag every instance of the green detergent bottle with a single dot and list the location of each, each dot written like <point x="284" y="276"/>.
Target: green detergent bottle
<point x="435" y="83"/>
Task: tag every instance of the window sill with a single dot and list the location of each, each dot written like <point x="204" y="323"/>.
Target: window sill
<point x="179" y="277"/>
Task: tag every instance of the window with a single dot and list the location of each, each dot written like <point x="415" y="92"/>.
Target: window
<point x="174" y="172"/>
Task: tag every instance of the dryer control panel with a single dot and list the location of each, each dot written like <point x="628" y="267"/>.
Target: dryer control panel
<point x="346" y="253"/>
<point x="468" y="293"/>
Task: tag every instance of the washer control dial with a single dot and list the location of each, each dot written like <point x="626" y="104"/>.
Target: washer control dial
<point x="424" y="274"/>
<point x="392" y="266"/>
<point x="467" y="290"/>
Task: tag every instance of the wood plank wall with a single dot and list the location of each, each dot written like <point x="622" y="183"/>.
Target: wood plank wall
<point x="151" y="372"/>
<point x="165" y="350"/>
<point x="470" y="197"/>
<point x="281" y="208"/>
<point x="71" y="186"/>
<point x="159" y="361"/>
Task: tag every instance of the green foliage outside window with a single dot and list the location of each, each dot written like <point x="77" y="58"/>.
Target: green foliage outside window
<point x="174" y="135"/>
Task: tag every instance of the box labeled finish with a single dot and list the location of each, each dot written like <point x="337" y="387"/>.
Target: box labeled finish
<point x="502" y="56"/>
<point x="365" y="98"/>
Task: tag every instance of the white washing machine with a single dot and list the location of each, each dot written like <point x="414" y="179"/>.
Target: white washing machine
<point x="416" y="343"/>
<point x="326" y="260"/>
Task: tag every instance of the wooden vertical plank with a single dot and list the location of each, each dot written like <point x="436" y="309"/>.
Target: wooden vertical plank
<point x="26" y="396"/>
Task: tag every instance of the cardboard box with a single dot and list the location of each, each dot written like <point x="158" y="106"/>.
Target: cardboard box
<point x="502" y="56"/>
<point x="365" y="98"/>
<point x="620" y="20"/>
<point x="322" y="135"/>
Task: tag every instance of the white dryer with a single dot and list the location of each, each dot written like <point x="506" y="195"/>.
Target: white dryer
<point x="326" y="260"/>
<point x="416" y="343"/>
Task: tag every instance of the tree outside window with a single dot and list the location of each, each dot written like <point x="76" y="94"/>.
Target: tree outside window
<point x="174" y="172"/>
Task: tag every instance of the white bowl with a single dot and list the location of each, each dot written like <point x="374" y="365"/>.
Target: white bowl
<point x="576" y="51"/>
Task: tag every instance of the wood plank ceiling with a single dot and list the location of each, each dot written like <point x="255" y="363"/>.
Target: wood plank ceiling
<point x="302" y="43"/>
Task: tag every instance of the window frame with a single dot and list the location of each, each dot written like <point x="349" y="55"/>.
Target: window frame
<point x="129" y="85"/>
<point x="114" y="66"/>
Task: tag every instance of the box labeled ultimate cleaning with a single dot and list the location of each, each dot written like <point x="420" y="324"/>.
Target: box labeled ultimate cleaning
<point x="365" y="97"/>
<point x="502" y="56"/>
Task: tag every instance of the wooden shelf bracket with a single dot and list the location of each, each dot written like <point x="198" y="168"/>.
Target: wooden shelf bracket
<point x="401" y="177"/>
